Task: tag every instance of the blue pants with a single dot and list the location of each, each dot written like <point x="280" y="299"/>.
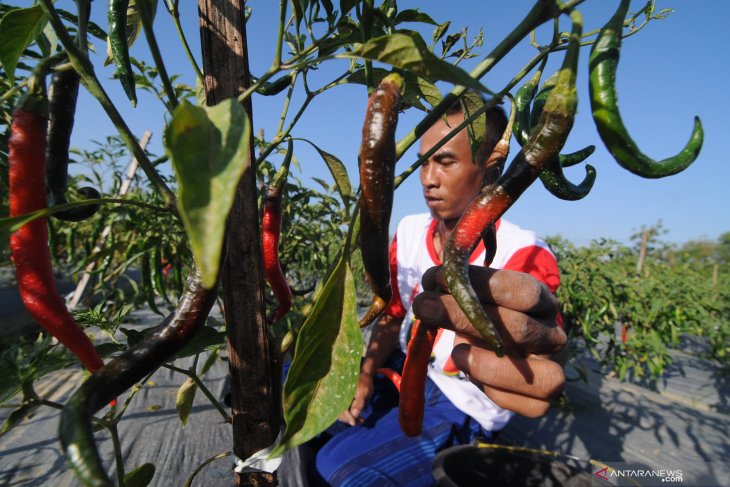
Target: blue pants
<point x="377" y="452"/>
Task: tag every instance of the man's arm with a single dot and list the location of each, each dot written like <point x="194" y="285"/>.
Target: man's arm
<point x="383" y="343"/>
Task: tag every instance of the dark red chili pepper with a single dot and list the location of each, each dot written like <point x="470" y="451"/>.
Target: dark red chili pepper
<point x="62" y="95"/>
<point x="121" y="373"/>
<point x="29" y="244"/>
<point x="392" y="375"/>
<point x="411" y="401"/>
<point x="271" y="232"/>
<point x="377" y="168"/>
<point x="544" y="143"/>
<point x="604" y="103"/>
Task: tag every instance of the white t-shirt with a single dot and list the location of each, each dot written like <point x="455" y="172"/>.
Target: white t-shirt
<point x="412" y="254"/>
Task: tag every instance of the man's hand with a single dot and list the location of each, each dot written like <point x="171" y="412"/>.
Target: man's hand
<point x="524" y="313"/>
<point x="363" y="392"/>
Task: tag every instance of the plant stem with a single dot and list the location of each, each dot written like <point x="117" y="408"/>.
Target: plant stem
<point x="280" y="34"/>
<point x="149" y="33"/>
<point x="279" y="138"/>
<point x="194" y="377"/>
<point x="287" y="101"/>
<point x="175" y="13"/>
<point x="83" y="66"/>
<point x="118" y="457"/>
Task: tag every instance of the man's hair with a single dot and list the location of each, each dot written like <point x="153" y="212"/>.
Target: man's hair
<point x="496" y="124"/>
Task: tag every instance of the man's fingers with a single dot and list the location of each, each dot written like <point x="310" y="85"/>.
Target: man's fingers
<point x="533" y="377"/>
<point x="518" y="330"/>
<point x="510" y="289"/>
<point x="347" y="417"/>
<point x="525" y="406"/>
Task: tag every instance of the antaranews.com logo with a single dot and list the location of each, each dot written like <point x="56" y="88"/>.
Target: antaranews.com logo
<point x="665" y="476"/>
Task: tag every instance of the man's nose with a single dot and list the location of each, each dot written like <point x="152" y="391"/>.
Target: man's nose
<point x="429" y="176"/>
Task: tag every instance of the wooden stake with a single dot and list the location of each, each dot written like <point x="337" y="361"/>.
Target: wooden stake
<point x="253" y="357"/>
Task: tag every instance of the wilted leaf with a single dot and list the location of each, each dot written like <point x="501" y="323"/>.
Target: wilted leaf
<point x="323" y="375"/>
<point x="184" y="400"/>
<point x="18" y="29"/>
<point x="407" y="50"/>
<point x="209" y="150"/>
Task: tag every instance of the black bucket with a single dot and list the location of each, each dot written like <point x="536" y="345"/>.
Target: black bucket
<point x="470" y="465"/>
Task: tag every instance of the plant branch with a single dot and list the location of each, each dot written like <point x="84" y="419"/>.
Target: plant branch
<point x="118" y="457"/>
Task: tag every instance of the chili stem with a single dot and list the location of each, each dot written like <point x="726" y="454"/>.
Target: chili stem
<point x="149" y="33"/>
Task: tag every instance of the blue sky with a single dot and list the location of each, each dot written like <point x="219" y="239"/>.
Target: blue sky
<point x="671" y="71"/>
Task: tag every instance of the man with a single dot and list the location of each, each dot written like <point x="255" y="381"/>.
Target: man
<point x="469" y="391"/>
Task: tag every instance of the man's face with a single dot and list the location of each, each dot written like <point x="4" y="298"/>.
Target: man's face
<point x="449" y="178"/>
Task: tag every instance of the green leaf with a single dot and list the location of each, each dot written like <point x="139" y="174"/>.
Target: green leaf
<point x="140" y="476"/>
<point x="338" y="170"/>
<point x="17" y="416"/>
<point x="407" y="50"/>
<point x="209" y="150"/>
<point x="184" y="399"/>
<point x="18" y="28"/>
<point x="441" y="30"/>
<point x="413" y="15"/>
<point x="134" y="27"/>
<point x="477" y="130"/>
<point x="323" y="375"/>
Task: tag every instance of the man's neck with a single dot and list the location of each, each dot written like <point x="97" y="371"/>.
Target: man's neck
<point x="441" y="235"/>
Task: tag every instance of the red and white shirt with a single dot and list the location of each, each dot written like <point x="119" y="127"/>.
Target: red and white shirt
<point x="412" y="253"/>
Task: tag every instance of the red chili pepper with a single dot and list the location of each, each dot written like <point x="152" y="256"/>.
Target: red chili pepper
<point x="271" y="231"/>
<point x="29" y="244"/>
<point x="391" y="374"/>
<point x="413" y="384"/>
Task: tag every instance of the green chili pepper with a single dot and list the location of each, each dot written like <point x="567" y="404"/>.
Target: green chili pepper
<point x="544" y="144"/>
<point x="552" y="177"/>
<point x="117" y="16"/>
<point x="377" y="167"/>
<point x="604" y="103"/>
<point x="62" y="96"/>
<point x="75" y="428"/>
<point x="275" y="87"/>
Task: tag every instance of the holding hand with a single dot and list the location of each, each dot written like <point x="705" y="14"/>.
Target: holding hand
<point x="524" y="313"/>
